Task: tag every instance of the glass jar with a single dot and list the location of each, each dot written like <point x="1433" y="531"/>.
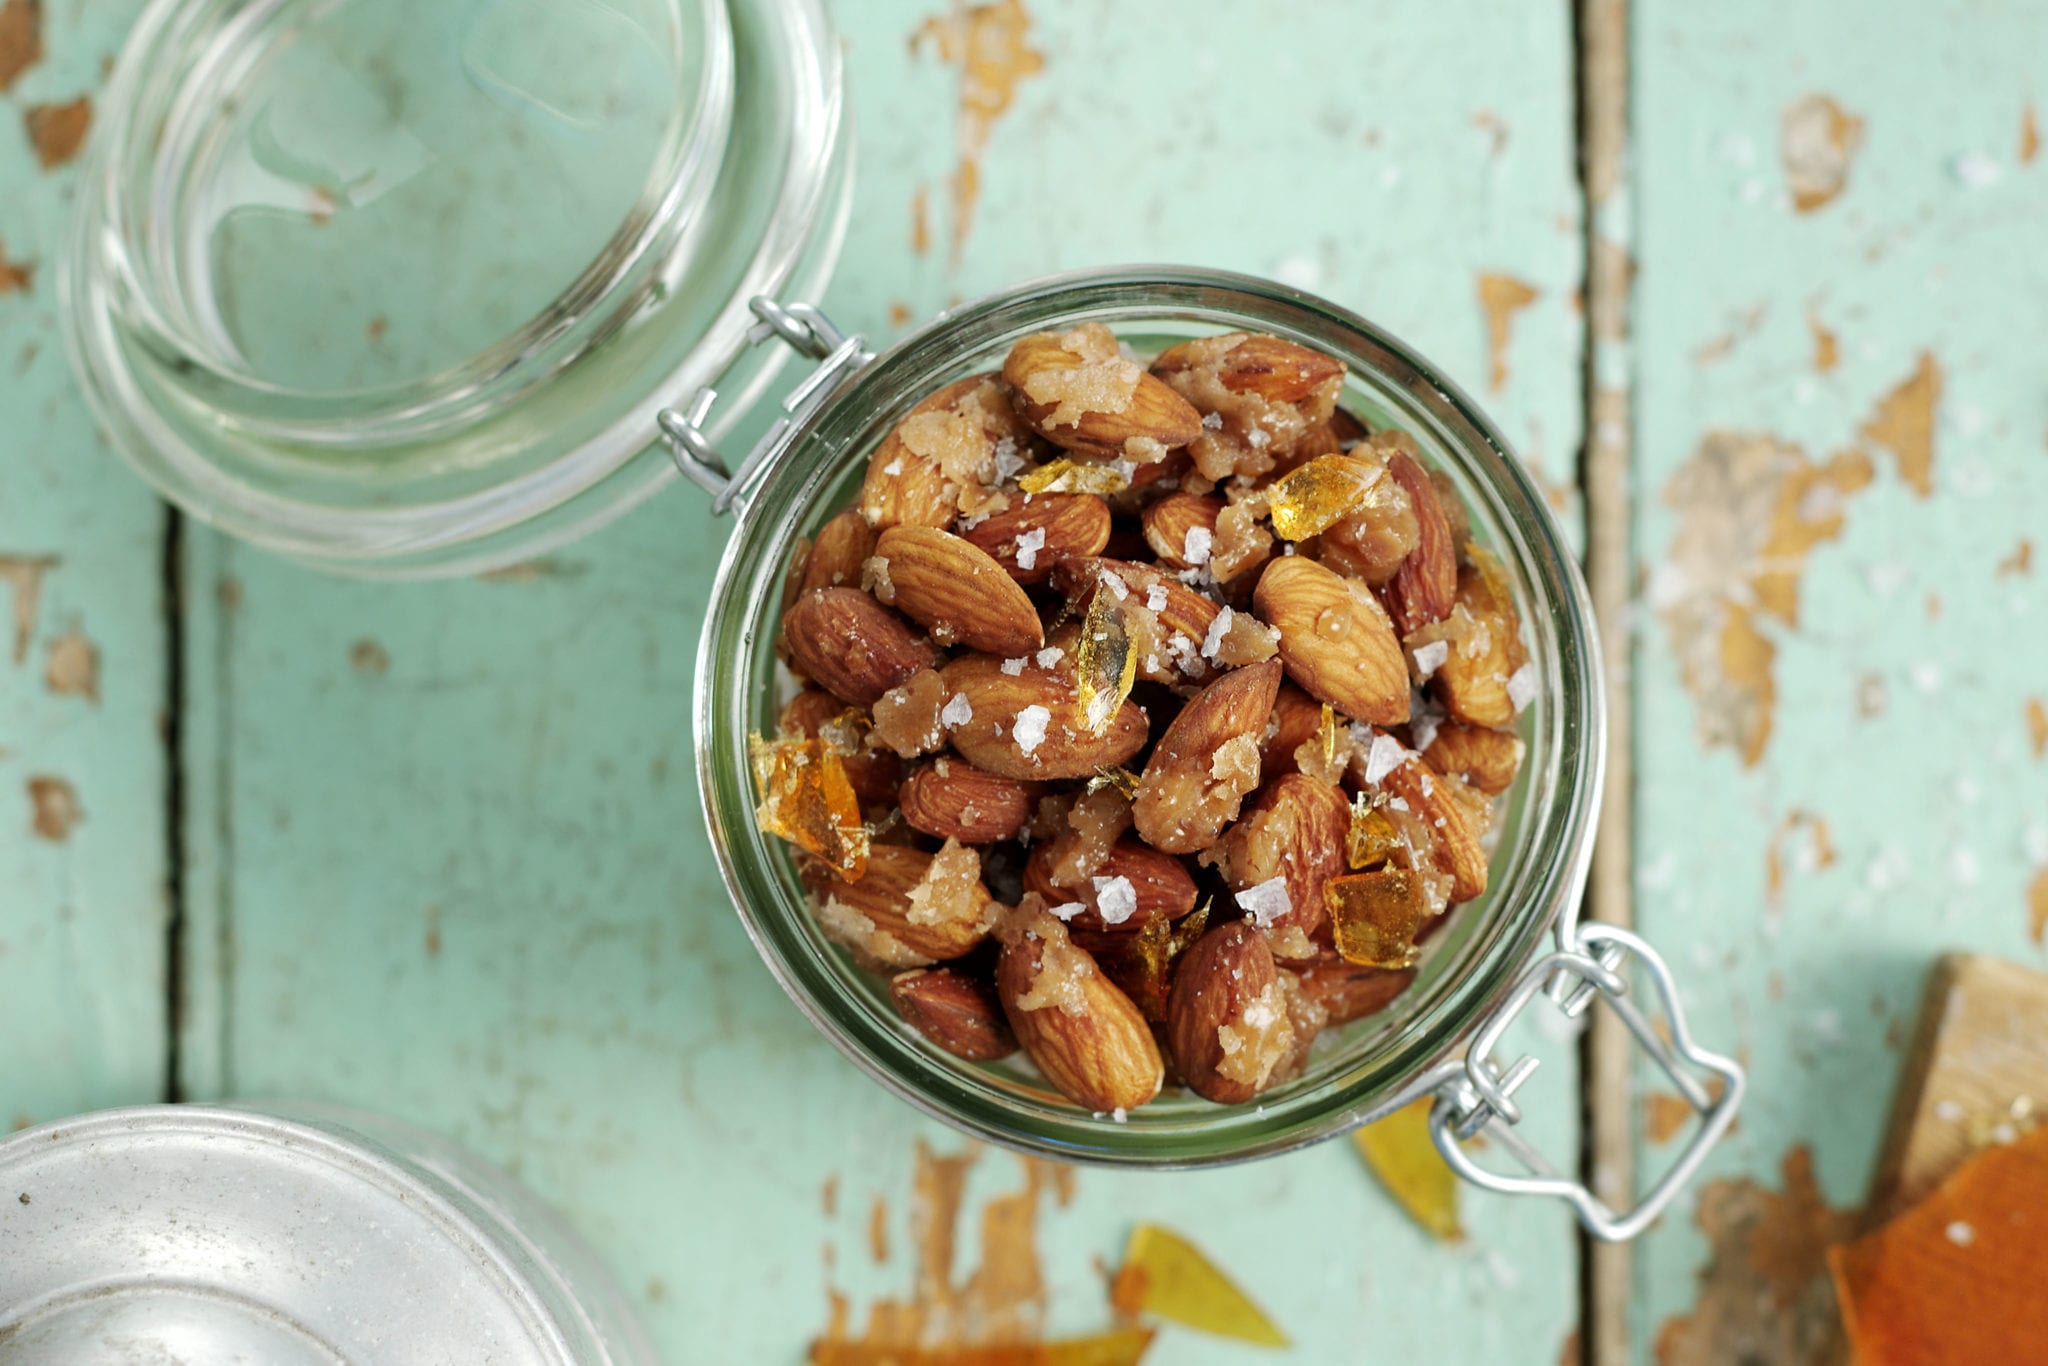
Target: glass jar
<point x="508" y="388"/>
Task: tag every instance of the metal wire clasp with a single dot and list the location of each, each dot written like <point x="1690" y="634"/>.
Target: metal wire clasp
<point x="808" y="332"/>
<point x="1480" y="1097"/>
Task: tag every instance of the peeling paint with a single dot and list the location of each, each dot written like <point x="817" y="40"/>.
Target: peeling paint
<point x="1817" y="142"/>
<point x="2037" y="907"/>
<point x="828" y="1196"/>
<point x="527" y="571"/>
<point x="1904" y="424"/>
<point x="1500" y="298"/>
<point x="921" y="221"/>
<point x="24" y="575"/>
<point x="1816" y="853"/>
<point x="1764" y="1294"/>
<point x="999" y="1300"/>
<point x="21" y="38"/>
<point x="368" y="658"/>
<point x="2021" y="561"/>
<point x="1751" y="508"/>
<point x="16" y="277"/>
<point x="989" y="44"/>
<point x="1666" y="1113"/>
<point x="2030" y="136"/>
<point x="74" y="667"/>
<point x="57" y="131"/>
<point x="878" y="1230"/>
<point x="1496" y="130"/>
<point x="1827" y="350"/>
<point x="2037" y="726"/>
<point x="899" y="313"/>
<point x="53" y="808"/>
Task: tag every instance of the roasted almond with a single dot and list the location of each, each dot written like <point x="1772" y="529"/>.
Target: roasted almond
<point x="1083" y="1032"/>
<point x="1156" y="886"/>
<point x="1373" y="540"/>
<point x="1296" y="719"/>
<point x="1436" y="800"/>
<point x="1335" y="639"/>
<point x="1487" y="759"/>
<point x="1039" y="530"/>
<point x="939" y="462"/>
<point x="1181" y="528"/>
<point x="1274" y="368"/>
<point x="1079" y="391"/>
<point x="1477" y="654"/>
<point x="1027" y="725"/>
<point x="1226" y="1015"/>
<point x="953" y="799"/>
<point x="1206" y="761"/>
<point x="874" y="773"/>
<point x="851" y="645"/>
<point x="957" y="1012"/>
<point x="1426" y="583"/>
<point x="1350" y="992"/>
<point x="1292" y="831"/>
<point x="957" y="590"/>
<point x="910" y="909"/>
<point x="838" y="551"/>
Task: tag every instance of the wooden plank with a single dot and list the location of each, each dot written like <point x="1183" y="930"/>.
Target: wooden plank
<point x="1834" y="773"/>
<point x="446" y="853"/>
<point x="83" y="646"/>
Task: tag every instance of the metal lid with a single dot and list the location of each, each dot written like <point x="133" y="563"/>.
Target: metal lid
<point x="193" y="1235"/>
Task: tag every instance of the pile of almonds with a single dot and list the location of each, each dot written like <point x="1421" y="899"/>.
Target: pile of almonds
<point x="1152" y="717"/>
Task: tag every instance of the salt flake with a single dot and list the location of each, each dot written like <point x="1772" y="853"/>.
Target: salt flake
<point x="1115" y="899"/>
<point x="1522" y="687"/>
<point x="1266" y="902"/>
<point x="958" y="711"/>
<point x="1030" y="728"/>
<point x="1029" y="544"/>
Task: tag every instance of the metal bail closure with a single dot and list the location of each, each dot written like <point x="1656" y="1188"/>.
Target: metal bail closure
<point x="808" y="332"/>
<point x="1480" y="1096"/>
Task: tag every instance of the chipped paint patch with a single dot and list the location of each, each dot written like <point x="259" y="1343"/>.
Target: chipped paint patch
<point x="1817" y="142"/>
<point x="73" y="669"/>
<point x="57" y="131"/>
<point x="1750" y="508"/>
<point x="2030" y="136"/>
<point x="16" y="277"/>
<point x="828" y="1196"/>
<point x="1815" y="852"/>
<point x="989" y="44"/>
<point x="1500" y="298"/>
<point x="1764" y="1294"/>
<point x="368" y="658"/>
<point x="1827" y="348"/>
<point x="2037" y="727"/>
<point x="1904" y="424"/>
<point x="921" y="221"/>
<point x="53" y="808"/>
<point x="528" y="571"/>
<point x="1666" y="1113"/>
<point x="21" y="38"/>
<point x="2037" y="907"/>
<point x="878" y="1230"/>
<point x="899" y="314"/>
<point x="2021" y="561"/>
<point x="24" y="575"/>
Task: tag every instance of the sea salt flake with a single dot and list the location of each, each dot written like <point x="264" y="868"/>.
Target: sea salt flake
<point x="1429" y="658"/>
<point x="1015" y="667"/>
<point x="1120" y="1115"/>
<point x="1386" y="755"/>
<point x="1008" y="461"/>
<point x="1030" y="728"/>
<point x="1522" y="687"/>
<point x="894" y="467"/>
<point x="1115" y="899"/>
<point x="1195" y="549"/>
<point x="957" y="711"/>
<point x="1029" y="543"/>
<point x="1213" y="421"/>
<point x="1155" y="598"/>
<point x="1067" y="910"/>
<point x="1219" y="628"/>
<point x="1266" y="902"/>
<point x="1049" y="656"/>
<point x="1960" y="1233"/>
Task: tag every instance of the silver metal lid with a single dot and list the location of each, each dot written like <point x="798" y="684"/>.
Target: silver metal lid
<point x="194" y="1235"/>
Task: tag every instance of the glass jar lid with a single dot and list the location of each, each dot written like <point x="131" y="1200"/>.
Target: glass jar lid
<point x="399" y="290"/>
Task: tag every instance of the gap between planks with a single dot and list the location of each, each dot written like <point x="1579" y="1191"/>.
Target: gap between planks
<point x="1608" y="1156"/>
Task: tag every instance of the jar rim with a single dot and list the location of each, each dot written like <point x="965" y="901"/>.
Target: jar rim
<point x="815" y="457"/>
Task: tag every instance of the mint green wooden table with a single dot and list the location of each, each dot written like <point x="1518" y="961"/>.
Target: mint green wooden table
<point x="435" y="849"/>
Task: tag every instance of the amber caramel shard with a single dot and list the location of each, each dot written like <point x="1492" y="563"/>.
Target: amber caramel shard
<point x="1075" y="476"/>
<point x="1320" y="494"/>
<point x="1165" y="1275"/>
<point x="1403" y="1156"/>
<point x="1142" y="963"/>
<point x="1117" y="1347"/>
<point x="1105" y="665"/>
<point x="807" y="800"/>
<point x="1375" y="916"/>
<point x="1122" y="779"/>
<point x="1372" y="839"/>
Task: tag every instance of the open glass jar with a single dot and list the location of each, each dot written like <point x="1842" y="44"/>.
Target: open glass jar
<point x="443" y="422"/>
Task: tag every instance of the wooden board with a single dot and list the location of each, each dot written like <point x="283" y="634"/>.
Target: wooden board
<point x="1977" y="1073"/>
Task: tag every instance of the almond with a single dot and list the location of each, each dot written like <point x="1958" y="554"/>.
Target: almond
<point x="1424" y="587"/>
<point x="1168" y="522"/>
<point x="1274" y="368"/>
<point x="1487" y="759"/>
<point x="1335" y="639"/>
<point x="851" y="645"/>
<point x="957" y="1012"/>
<point x="1296" y="719"/>
<point x="953" y="799"/>
<point x="1483" y="650"/>
<point x="1373" y="540"/>
<point x="1226" y="1015"/>
<point x="1437" y="801"/>
<point x="1081" y="1030"/>
<point x="874" y="773"/>
<point x="1294" y="829"/>
<point x="910" y="909"/>
<point x="940" y="461"/>
<point x="1206" y="761"/>
<point x="1160" y="884"/>
<point x="957" y="590"/>
<point x="1168" y="639"/>
<point x="1350" y="992"/>
<point x="838" y="551"/>
<point x="1043" y="529"/>
<point x="1026" y="725"/>
<point x="1077" y="390"/>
